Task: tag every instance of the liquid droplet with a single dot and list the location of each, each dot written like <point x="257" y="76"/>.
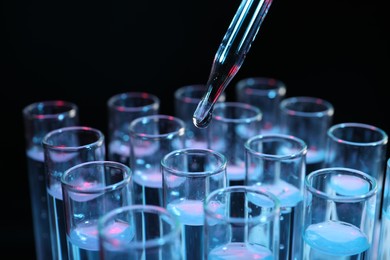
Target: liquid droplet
<point x="203" y="113"/>
<point x="203" y="123"/>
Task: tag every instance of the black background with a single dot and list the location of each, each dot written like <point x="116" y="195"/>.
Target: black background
<point x="85" y="52"/>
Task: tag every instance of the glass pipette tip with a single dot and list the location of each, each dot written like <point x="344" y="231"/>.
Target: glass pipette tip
<point x="230" y="55"/>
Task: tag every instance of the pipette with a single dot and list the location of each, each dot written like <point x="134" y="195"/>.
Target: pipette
<point x="230" y="55"/>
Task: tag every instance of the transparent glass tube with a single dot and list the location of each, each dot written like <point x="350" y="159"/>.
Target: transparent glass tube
<point x="384" y="239"/>
<point x="231" y="54"/>
<point x="338" y="214"/>
<point x="233" y="232"/>
<point x="233" y="124"/>
<point x="265" y="93"/>
<point x="39" y="119"/>
<point x="151" y="138"/>
<point x="63" y="148"/>
<point x="308" y="118"/>
<point x="120" y="236"/>
<point x="361" y="147"/>
<point x="90" y="190"/>
<point x="122" y="109"/>
<point x="189" y="175"/>
<point x="276" y="163"/>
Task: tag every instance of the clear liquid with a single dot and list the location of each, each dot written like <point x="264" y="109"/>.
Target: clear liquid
<point x="119" y="151"/>
<point x="148" y="188"/>
<point x="36" y="175"/>
<point x="190" y="214"/>
<point x="384" y="241"/>
<point x="291" y="201"/>
<point x="122" y="234"/>
<point x="83" y="243"/>
<point x="235" y="175"/>
<point x="290" y="245"/>
<point x="314" y="160"/>
<point x="57" y="222"/>
<point x="335" y="240"/>
<point x="235" y="251"/>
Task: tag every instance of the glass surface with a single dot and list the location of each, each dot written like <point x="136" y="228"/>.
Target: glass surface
<point x="122" y="109"/>
<point x="362" y="147"/>
<point x="339" y="214"/>
<point x="276" y="163"/>
<point x="186" y="100"/>
<point x="151" y="138"/>
<point x="189" y="175"/>
<point x="121" y="236"/>
<point x="234" y="123"/>
<point x="230" y="55"/>
<point x="308" y="118"/>
<point x="39" y="119"/>
<point x="90" y="190"/>
<point x="64" y="148"/>
<point x="265" y="94"/>
<point x="384" y="235"/>
<point x="241" y="221"/>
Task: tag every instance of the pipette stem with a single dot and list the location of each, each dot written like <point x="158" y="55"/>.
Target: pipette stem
<point x="230" y="55"/>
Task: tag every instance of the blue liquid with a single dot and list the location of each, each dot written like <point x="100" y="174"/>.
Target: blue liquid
<point x="57" y="223"/>
<point x="83" y="243"/>
<point x="349" y="185"/>
<point x="334" y="240"/>
<point x="36" y="175"/>
<point x="190" y="214"/>
<point x="288" y="194"/>
<point x="235" y="251"/>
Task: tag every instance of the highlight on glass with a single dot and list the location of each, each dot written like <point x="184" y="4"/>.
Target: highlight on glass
<point x="90" y="190"/>
<point x="121" y="237"/>
<point x="339" y="214"/>
<point x="122" y="109"/>
<point x="189" y="175"/>
<point x="233" y="124"/>
<point x="265" y="93"/>
<point x="276" y="163"/>
<point x="308" y="118"/>
<point x="64" y="148"/>
<point x="39" y="119"/>
<point x="241" y="222"/>
<point x="186" y="100"/>
<point x="384" y="236"/>
<point x="151" y="138"/>
<point x="362" y="147"/>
